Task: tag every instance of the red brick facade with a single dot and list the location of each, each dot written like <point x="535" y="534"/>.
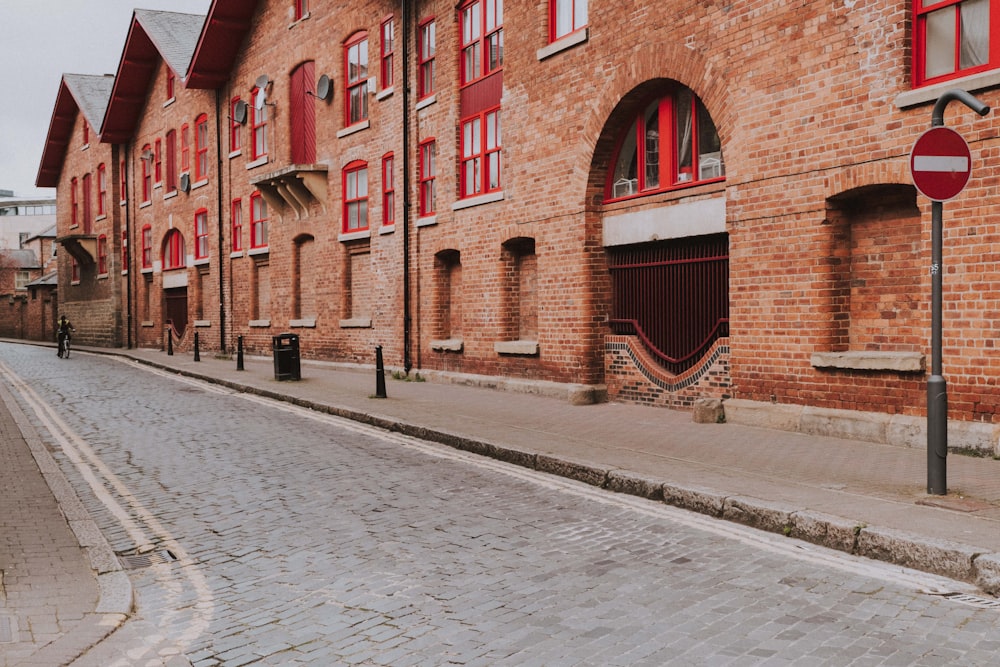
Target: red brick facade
<point x="829" y="243"/>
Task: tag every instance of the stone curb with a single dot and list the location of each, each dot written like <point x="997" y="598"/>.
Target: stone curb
<point x="949" y="559"/>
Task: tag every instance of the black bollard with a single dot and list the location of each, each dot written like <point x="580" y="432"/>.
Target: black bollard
<point x="197" y="355"/>
<point x="239" y="353"/>
<point x="170" y="342"/>
<point x="379" y="373"/>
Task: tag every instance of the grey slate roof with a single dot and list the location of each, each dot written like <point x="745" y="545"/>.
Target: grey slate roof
<point x="47" y="279"/>
<point x="92" y="94"/>
<point x="174" y="34"/>
<point x="21" y="259"/>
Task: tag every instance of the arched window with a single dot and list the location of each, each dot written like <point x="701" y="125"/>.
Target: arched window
<point x="671" y="143"/>
<point x="173" y="250"/>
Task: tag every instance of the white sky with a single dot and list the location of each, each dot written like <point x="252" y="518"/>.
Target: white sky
<point x="40" y="40"/>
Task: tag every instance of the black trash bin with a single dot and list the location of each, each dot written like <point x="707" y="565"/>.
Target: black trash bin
<point x="286" y="357"/>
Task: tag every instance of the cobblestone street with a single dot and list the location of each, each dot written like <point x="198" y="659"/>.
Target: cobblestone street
<point x="277" y="536"/>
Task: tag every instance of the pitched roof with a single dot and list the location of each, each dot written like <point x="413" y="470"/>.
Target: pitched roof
<point x="91" y="94"/>
<point x="226" y="26"/>
<point x="78" y="93"/>
<point x="175" y="36"/>
<point x="21" y="259"/>
<point x="152" y="36"/>
<point x="49" y="279"/>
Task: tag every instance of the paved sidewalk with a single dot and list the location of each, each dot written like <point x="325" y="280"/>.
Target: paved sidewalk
<point x="859" y="497"/>
<point x="61" y="589"/>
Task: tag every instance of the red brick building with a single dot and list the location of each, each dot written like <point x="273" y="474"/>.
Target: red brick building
<point x="85" y="172"/>
<point x="713" y="202"/>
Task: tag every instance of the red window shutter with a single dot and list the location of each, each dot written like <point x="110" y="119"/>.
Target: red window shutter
<point x="302" y="108"/>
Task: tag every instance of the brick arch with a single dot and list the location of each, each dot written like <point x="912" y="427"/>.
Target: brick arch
<point x="857" y="176"/>
<point x="647" y="69"/>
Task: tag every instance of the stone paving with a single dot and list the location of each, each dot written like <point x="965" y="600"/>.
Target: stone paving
<point x="49" y="595"/>
<point x="285" y="536"/>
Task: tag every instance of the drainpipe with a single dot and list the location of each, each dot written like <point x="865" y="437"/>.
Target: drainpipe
<point x="407" y="24"/>
<point x="218" y="192"/>
<point x="123" y="162"/>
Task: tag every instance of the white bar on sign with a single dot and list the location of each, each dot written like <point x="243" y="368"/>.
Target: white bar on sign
<point x="947" y="163"/>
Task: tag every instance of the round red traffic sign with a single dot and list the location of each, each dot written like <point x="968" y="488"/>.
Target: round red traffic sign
<point x="940" y="163"/>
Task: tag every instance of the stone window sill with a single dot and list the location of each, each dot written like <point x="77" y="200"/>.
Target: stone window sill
<point x="900" y="362"/>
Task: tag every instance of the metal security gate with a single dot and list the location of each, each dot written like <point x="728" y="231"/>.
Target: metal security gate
<point x="176" y="307"/>
<point x="673" y="295"/>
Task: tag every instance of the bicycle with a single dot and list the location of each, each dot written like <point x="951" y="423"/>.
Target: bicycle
<point x="64" y="346"/>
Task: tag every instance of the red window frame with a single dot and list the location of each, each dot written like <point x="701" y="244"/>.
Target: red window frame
<point x="355" y="197"/>
<point x="74" y="271"/>
<point x="258" y="221"/>
<point x="236" y="217"/>
<point x="669" y="173"/>
<point x="102" y="255"/>
<point x="74" y="214"/>
<point x="147" y="177"/>
<point x="122" y="180"/>
<point x="171" y="180"/>
<point x="388" y="191"/>
<point x="102" y="190"/>
<point x="481" y="39"/>
<point x="235" y="139"/>
<point x="426" y="50"/>
<point x="147" y="246"/>
<point x="124" y="251"/>
<point x="923" y="10"/>
<point x="170" y="84"/>
<point x="185" y="148"/>
<point x="157" y="161"/>
<point x="388" y="46"/>
<point x="258" y="127"/>
<point x="356" y="76"/>
<point x="480" y="161"/>
<point x="301" y="9"/>
<point x="201" y="234"/>
<point x="427" y="172"/>
<point x="86" y="133"/>
<point x="87" y="205"/>
<point x="566" y="17"/>
<point x="201" y="147"/>
<point x="173" y="251"/>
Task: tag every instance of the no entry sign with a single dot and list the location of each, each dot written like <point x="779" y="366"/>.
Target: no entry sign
<point x="940" y="163"/>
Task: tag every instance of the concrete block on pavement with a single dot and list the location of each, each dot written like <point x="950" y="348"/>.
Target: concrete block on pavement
<point x="708" y="411"/>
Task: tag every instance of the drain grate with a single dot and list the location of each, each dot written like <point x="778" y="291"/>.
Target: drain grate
<point x="974" y="600"/>
<point x="139" y="561"/>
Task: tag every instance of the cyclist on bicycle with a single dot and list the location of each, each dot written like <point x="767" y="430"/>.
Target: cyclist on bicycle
<point x="64" y="333"/>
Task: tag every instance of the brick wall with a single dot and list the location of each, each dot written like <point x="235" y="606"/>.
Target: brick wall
<point x="829" y="243"/>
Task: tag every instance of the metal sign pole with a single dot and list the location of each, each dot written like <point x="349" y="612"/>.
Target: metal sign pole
<point x="937" y="389"/>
